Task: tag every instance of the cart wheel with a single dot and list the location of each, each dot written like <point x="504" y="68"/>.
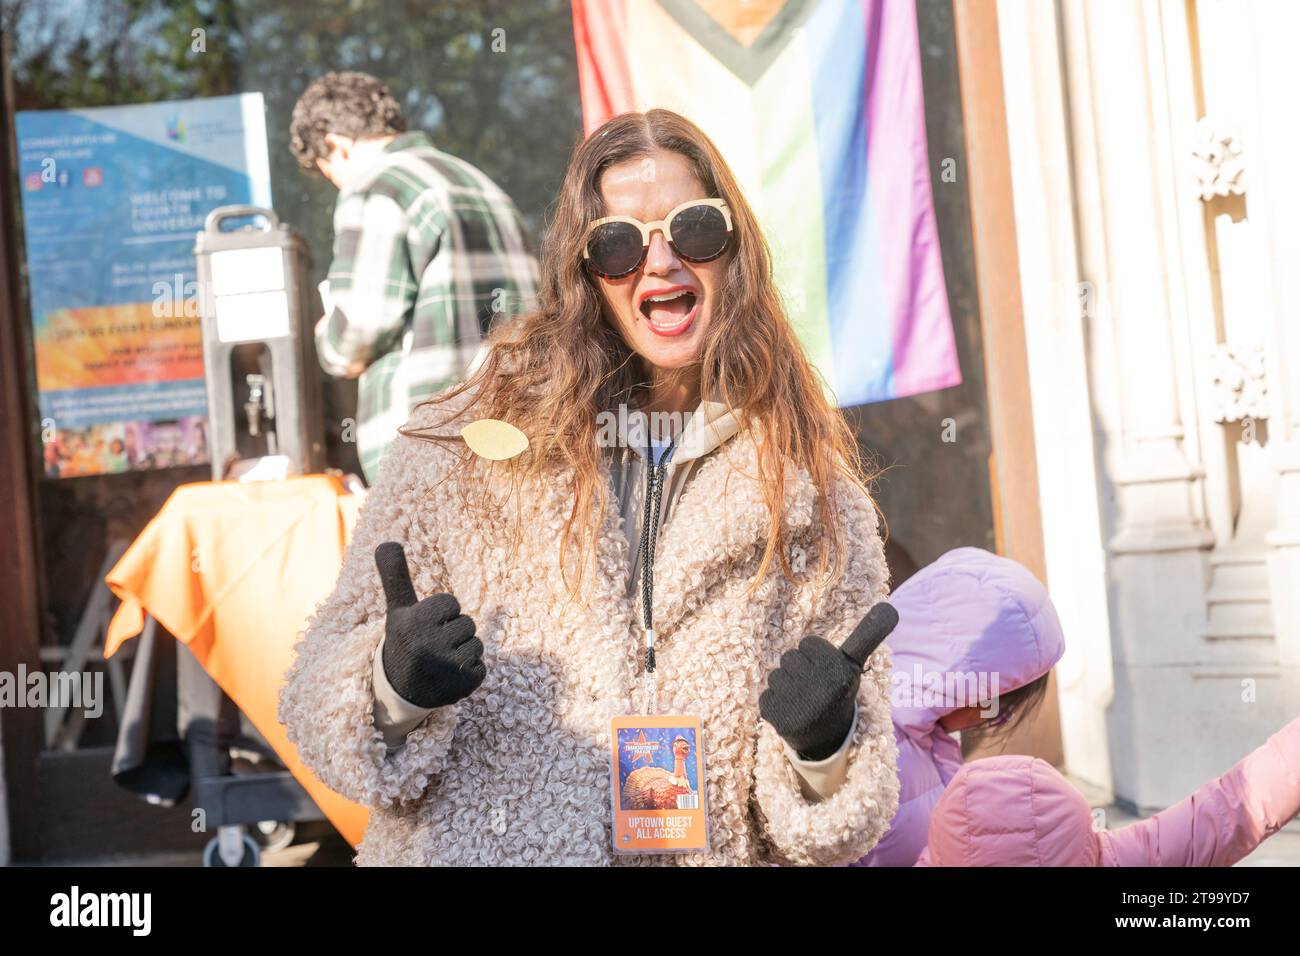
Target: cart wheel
<point x="252" y="853"/>
<point x="276" y="834"/>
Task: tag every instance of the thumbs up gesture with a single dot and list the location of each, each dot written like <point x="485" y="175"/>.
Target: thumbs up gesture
<point x="809" y="697"/>
<point x="431" y="656"/>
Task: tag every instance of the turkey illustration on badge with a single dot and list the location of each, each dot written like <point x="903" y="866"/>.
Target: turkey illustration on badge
<point x="494" y="439"/>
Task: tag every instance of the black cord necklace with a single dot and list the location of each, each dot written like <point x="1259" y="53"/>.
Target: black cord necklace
<point x="654" y="485"/>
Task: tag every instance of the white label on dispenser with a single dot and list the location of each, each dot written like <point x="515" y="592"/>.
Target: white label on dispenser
<point x="236" y="271"/>
<point x="253" y="317"/>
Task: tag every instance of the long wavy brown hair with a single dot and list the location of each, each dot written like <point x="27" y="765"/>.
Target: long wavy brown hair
<point x="551" y="373"/>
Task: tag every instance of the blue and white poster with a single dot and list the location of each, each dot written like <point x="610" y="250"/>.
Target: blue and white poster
<point x="112" y="198"/>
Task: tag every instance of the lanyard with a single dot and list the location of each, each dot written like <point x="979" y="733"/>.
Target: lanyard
<point x="655" y="474"/>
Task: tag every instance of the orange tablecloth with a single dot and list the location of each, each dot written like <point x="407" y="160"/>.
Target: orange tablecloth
<point x="234" y="570"/>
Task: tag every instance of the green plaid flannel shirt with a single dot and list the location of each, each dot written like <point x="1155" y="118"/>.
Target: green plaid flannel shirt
<point x="428" y="253"/>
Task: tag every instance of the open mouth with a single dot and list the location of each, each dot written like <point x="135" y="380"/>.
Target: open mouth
<point x="670" y="313"/>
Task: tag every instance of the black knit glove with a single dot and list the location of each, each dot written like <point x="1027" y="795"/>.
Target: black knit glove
<point x="431" y="656"/>
<point x="809" y="698"/>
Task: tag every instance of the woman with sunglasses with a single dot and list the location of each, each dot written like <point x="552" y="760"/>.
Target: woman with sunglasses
<point x="686" y="534"/>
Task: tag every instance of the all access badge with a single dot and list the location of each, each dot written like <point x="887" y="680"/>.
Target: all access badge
<point x="657" y="769"/>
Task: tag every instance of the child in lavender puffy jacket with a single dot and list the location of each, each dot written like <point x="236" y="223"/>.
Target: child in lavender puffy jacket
<point x="976" y="638"/>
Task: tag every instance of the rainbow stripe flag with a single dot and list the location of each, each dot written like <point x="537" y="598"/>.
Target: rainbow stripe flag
<point x="818" y="107"/>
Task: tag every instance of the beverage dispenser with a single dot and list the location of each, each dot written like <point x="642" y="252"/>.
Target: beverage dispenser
<point x="256" y="299"/>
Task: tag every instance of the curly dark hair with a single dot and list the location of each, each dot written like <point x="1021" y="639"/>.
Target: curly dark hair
<point x="356" y="105"/>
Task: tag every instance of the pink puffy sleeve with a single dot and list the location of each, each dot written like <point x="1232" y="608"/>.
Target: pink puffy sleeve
<point x="1222" y="821"/>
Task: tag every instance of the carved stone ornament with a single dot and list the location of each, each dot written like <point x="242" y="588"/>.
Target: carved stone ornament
<point x="1239" y="387"/>
<point x="1218" y="162"/>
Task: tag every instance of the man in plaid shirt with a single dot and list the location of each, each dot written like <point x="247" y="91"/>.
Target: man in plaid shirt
<point x="428" y="253"/>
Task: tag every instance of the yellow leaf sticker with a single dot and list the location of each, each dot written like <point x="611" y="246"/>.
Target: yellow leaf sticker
<point x="493" y="439"/>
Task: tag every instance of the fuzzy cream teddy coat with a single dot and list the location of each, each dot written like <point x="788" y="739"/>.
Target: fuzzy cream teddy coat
<point x="519" y="772"/>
